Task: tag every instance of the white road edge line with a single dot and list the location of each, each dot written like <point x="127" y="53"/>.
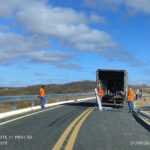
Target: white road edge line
<point x="24" y="110"/>
<point x="28" y="115"/>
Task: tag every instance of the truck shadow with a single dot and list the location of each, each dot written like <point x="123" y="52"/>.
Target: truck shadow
<point x="82" y="104"/>
<point x="141" y="122"/>
<point x="94" y="105"/>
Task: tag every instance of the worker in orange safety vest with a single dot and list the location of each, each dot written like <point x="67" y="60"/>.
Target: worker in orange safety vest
<point x="42" y="94"/>
<point x="131" y="98"/>
<point x="100" y="92"/>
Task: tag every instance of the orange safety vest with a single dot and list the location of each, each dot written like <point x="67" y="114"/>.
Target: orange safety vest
<point x="100" y="92"/>
<point x="41" y="92"/>
<point x="131" y="95"/>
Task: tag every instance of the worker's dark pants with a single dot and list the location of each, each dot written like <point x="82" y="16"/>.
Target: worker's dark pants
<point x="42" y="102"/>
<point x="136" y="96"/>
<point x="131" y="106"/>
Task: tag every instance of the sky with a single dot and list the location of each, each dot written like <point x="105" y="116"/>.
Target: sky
<point x="60" y="41"/>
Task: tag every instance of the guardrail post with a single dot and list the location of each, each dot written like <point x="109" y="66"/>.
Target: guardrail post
<point x="14" y="105"/>
<point x="33" y="103"/>
<point x="67" y="98"/>
<point x="46" y="100"/>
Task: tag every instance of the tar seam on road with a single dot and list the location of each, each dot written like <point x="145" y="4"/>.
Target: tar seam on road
<point x="76" y="124"/>
<point x="27" y="115"/>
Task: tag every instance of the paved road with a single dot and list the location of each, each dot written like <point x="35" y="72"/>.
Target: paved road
<point x="89" y="128"/>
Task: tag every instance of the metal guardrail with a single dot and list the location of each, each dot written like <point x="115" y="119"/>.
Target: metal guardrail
<point x="142" y="119"/>
<point x="33" y="98"/>
<point x="145" y="95"/>
<point x="143" y="115"/>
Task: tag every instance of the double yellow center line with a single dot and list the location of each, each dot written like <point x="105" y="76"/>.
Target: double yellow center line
<point x="75" y="125"/>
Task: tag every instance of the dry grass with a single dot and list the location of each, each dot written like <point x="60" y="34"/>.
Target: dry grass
<point x="147" y="90"/>
<point x="143" y="102"/>
<point x="5" y="107"/>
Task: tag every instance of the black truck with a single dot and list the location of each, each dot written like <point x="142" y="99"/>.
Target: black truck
<point x="114" y="84"/>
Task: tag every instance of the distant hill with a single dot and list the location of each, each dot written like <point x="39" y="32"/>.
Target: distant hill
<point x="72" y="87"/>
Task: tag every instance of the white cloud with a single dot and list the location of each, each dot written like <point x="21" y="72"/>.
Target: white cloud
<point x="103" y="4"/>
<point x="92" y="40"/>
<point x="115" y="5"/>
<point x="139" y="5"/>
<point x="69" y="66"/>
<point x="97" y="19"/>
<point x="68" y="26"/>
<point x="13" y="46"/>
<point x="8" y="7"/>
<point x="44" y="56"/>
<point x="31" y="49"/>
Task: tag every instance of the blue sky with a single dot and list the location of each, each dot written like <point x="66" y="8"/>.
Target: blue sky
<point x="49" y="41"/>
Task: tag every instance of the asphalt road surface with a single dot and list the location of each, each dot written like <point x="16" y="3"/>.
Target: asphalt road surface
<point x="78" y="126"/>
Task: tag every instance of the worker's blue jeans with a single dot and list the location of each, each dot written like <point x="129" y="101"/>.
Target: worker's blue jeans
<point x="131" y="106"/>
<point x="42" y="102"/>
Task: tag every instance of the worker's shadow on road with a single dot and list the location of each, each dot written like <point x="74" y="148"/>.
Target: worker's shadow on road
<point x="146" y="126"/>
